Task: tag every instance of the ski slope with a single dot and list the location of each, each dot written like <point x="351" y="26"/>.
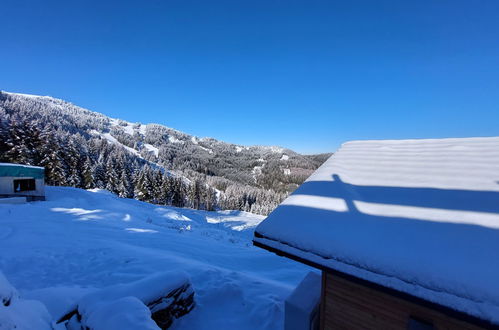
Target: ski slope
<point x="78" y="241"/>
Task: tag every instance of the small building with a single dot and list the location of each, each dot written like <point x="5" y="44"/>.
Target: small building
<point x="18" y="180"/>
<point x="406" y="233"/>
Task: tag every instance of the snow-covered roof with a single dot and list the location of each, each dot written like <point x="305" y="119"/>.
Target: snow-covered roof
<point x="20" y="170"/>
<point x="21" y="165"/>
<point x="418" y="216"/>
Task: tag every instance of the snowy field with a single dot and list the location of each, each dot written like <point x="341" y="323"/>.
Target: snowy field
<point x="77" y="241"/>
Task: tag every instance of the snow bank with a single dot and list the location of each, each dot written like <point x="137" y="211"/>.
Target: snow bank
<point x="146" y="290"/>
<point x="7" y="291"/>
<point x="18" y="313"/>
<point x="127" y="313"/>
<point x="302" y="306"/>
<point x="168" y="296"/>
<point x="59" y="301"/>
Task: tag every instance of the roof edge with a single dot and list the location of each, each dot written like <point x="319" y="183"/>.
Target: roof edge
<point x="399" y="294"/>
<point x="415" y="140"/>
<point x="22" y="165"/>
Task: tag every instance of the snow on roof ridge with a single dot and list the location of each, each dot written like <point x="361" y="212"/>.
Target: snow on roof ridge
<point x="423" y="140"/>
<point x="22" y="165"/>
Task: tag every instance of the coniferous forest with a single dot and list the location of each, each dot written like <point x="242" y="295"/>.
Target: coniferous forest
<point x="152" y="163"/>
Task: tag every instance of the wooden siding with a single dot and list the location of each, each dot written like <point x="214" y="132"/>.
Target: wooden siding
<point x="348" y="305"/>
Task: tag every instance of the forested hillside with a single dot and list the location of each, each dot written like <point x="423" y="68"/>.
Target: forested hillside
<point x="153" y="163"/>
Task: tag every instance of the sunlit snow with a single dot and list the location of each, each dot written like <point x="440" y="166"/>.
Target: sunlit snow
<point x="79" y="241"/>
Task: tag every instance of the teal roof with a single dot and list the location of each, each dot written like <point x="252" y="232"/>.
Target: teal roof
<point x="23" y="171"/>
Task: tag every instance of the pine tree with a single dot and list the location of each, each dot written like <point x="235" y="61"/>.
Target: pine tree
<point x="138" y="182"/>
<point x="125" y="189"/>
<point x="178" y="192"/>
<point x="99" y="175"/>
<point x="18" y="144"/>
<point x="112" y="176"/>
<point x="4" y="135"/>
<point x="157" y="186"/>
<point x="87" y="174"/>
<point x="195" y="194"/>
<point x="148" y="184"/>
<point x="143" y="185"/>
<point x="210" y="199"/>
<point x="164" y="196"/>
<point x="73" y="161"/>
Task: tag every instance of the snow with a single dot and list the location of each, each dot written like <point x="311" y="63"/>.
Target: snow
<point x="26" y="95"/>
<point x="19" y="313"/>
<point x="257" y="170"/>
<point x="206" y="149"/>
<point x="303" y="304"/>
<point x="149" y="147"/>
<point x="128" y="129"/>
<point x="173" y="139"/>
<point x="285" y="157"/>
<point x="419" y="216"/>
<point x="59" y="300"/>
<point x="239" y="148"/>
<point x="152" y="149"/>
<point x="7" y="291"/>
<point x="142" y="129"/>
<point x="127" y="313"/>
<point x="21" y="165"/>
<point x="147" y="290"/>
<point x="78" y="241"/>
<point x="230" y="219"/>
<point x="123" y="299"/>
<point x="307" y="294"/>
<point x="287" y="171"/>
<point x="141" y="230"/>
<point x="114" y="122"/>
<point x="112" y="139"/>
<point x="273" y="149"/>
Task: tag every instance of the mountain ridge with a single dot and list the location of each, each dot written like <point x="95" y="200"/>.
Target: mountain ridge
<point x="223" y="166"/>
<point x="52" y="98"/>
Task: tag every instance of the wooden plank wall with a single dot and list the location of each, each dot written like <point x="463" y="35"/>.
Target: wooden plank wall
<point x="348" y="305"/>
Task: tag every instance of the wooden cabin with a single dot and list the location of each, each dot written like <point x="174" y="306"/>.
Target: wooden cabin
<point x="406" y="233"/>
<point x="17" y="180"/>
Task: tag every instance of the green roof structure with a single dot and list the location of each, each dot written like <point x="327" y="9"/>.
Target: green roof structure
<point x="21" y="171"/>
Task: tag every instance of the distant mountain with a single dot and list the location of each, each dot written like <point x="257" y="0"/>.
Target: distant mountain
<point x="90" y="148"/>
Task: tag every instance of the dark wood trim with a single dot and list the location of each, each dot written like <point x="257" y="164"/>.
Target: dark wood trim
<point x="399" y="294"/>
<point x="322" y="307"/>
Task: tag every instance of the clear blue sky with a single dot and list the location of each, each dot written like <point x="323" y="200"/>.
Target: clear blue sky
<point x="305" y="75"/>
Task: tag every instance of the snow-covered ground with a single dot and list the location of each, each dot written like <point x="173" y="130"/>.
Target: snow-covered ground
<point x="152" y="148"/>
<point x="76" y="241"/>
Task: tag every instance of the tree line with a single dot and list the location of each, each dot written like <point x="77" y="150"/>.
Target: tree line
<point x="71" y="160"/>
<point x="153" y="163"/>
